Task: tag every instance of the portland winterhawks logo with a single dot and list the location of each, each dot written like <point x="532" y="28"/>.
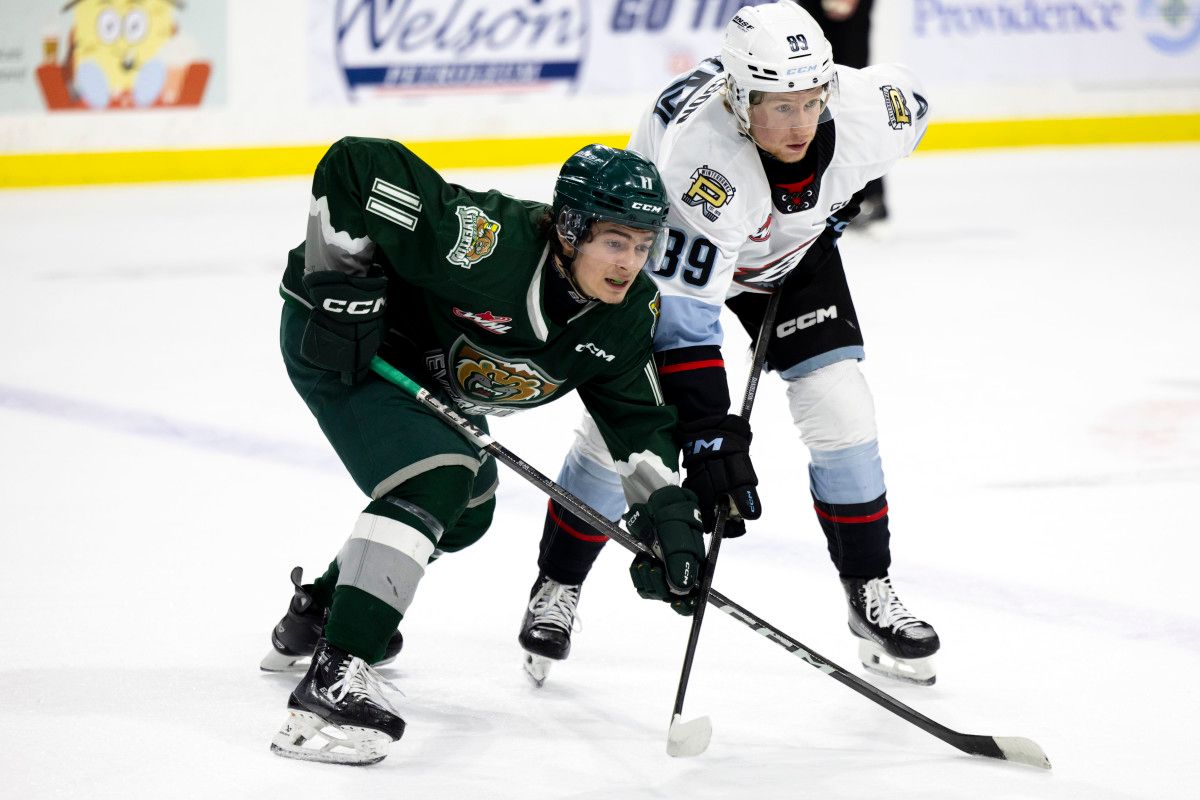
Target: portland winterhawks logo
<point x="897" y="107"/>
<point x="710" y="190"/>
<point x="477" y="237"/>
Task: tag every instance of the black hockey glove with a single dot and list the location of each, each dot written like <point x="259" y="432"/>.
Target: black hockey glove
<point x="669" y="524"/>
<point x="716" y="455"/>
<point x="346" y="323"/>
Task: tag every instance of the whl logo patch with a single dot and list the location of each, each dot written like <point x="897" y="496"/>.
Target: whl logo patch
<point x="477" y="237"/>
<point x="486" y="378"/>
<point x="490" y="322"/>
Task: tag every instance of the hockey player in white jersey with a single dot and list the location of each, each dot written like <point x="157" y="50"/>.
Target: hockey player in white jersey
<point x="761" y="150"/>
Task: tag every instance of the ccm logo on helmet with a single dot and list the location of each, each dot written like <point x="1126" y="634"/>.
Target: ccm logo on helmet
<point x="805" y="321"/>
<point x="335" y="306"/>
<point x="648" y="207"/>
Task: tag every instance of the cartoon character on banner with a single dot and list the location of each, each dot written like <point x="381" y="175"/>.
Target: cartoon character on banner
<point x="123" y="54"/>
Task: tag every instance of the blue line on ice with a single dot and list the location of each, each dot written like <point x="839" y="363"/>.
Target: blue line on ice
<point x="154" y="426"/>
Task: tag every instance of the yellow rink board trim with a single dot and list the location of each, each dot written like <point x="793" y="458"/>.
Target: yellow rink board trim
<point x="74" y="169"/>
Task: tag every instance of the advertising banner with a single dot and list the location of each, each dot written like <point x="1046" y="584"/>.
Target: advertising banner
<point x="1088" y="43"/>
<point x="364" y="51"/>
<point x="107" y="55"/>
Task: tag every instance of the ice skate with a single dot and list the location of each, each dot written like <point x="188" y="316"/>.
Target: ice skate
<point x="546" y="631"/>
<point x="873" y="210"/>
<point x="295" y="637"/>
<point x="338" y="714"/>
<point x="892" y="642"/>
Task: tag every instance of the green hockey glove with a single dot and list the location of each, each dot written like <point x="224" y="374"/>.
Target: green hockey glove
<point x="669" y="524"/>
<point x="346" y="323"/>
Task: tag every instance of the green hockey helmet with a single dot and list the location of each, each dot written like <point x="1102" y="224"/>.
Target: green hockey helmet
<point x="603" y="184"/>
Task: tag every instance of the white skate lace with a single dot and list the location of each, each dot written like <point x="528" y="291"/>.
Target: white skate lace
<point x="884" y="607"/>
<point x="553" y="605"/>
<point x="359" y="679"/>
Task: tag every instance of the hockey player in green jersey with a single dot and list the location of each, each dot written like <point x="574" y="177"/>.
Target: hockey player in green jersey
<point x="497" y="305"/>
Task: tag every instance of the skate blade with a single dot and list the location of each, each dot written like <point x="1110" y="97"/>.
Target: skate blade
<point x="537" y="668"/>
<point x="877" y="661"/>
<point x="276" y="661"/>
<point x="307" y="737"/>
<point x="687" y="739"/>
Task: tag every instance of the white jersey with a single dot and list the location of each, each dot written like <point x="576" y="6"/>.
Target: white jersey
<point x="728" y="234"/>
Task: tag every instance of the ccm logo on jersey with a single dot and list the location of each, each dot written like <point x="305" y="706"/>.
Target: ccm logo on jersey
<point x="334" y="306"/>
<point x="590" y="347"/>
<point x="805" y="321"/>
<point x="897" y="107"/>
<point x="710" y="190"/>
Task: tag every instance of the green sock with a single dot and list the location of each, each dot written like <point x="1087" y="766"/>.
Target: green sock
<point x="322" y="591"/>
<point x="360" y="623"/>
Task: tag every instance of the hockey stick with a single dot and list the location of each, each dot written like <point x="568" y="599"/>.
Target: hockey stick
<point x="1009" y="748"/>
<point x="691" y="738"/>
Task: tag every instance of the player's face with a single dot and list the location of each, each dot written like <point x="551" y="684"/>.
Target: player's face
<point x="606" y="264"/>
<point x="784" y="123"/>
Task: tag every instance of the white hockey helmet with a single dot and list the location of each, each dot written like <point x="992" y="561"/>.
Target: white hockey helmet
<point x="777" y="47"/>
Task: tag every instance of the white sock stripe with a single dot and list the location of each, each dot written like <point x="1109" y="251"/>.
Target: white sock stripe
<point x="396" y="535"/>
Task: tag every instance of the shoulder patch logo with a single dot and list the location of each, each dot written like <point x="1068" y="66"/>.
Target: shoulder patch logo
<point x="922" y="106"/>
<point x="710" y="190"/>
<point x="655" y="313"/>
<point x="897" y="107"/>
<point x="477" y="237"/>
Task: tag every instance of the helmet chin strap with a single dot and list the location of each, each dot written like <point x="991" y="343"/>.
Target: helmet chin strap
<point x="563" y="264"/>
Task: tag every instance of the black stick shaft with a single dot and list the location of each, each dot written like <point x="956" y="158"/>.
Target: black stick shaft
<point x="718" y="534"/>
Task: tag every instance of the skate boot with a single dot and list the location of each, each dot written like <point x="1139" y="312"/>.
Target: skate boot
<point x="546" y="630"/>
<point x="873" y="210"/>
<point x="338" y="713"/>
<point x="296" y="635"/>
<point x="892" y="642"/>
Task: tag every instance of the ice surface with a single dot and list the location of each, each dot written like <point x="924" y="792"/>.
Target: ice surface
<point x="1032" y="323"/>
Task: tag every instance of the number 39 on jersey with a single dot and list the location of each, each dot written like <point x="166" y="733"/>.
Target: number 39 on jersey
<point x="692" y="259"/>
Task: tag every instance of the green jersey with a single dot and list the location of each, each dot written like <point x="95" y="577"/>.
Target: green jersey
<point x="476" y="307"/>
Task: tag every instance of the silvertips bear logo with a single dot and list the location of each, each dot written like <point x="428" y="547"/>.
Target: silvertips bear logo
<point x="477" y="237"/>
<point x="485" y="378"/>
<point x="384" y="47"/>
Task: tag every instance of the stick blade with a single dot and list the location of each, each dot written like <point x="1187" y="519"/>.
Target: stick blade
<point x="687" y="739"/>
<point x="1022" y="751"/>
